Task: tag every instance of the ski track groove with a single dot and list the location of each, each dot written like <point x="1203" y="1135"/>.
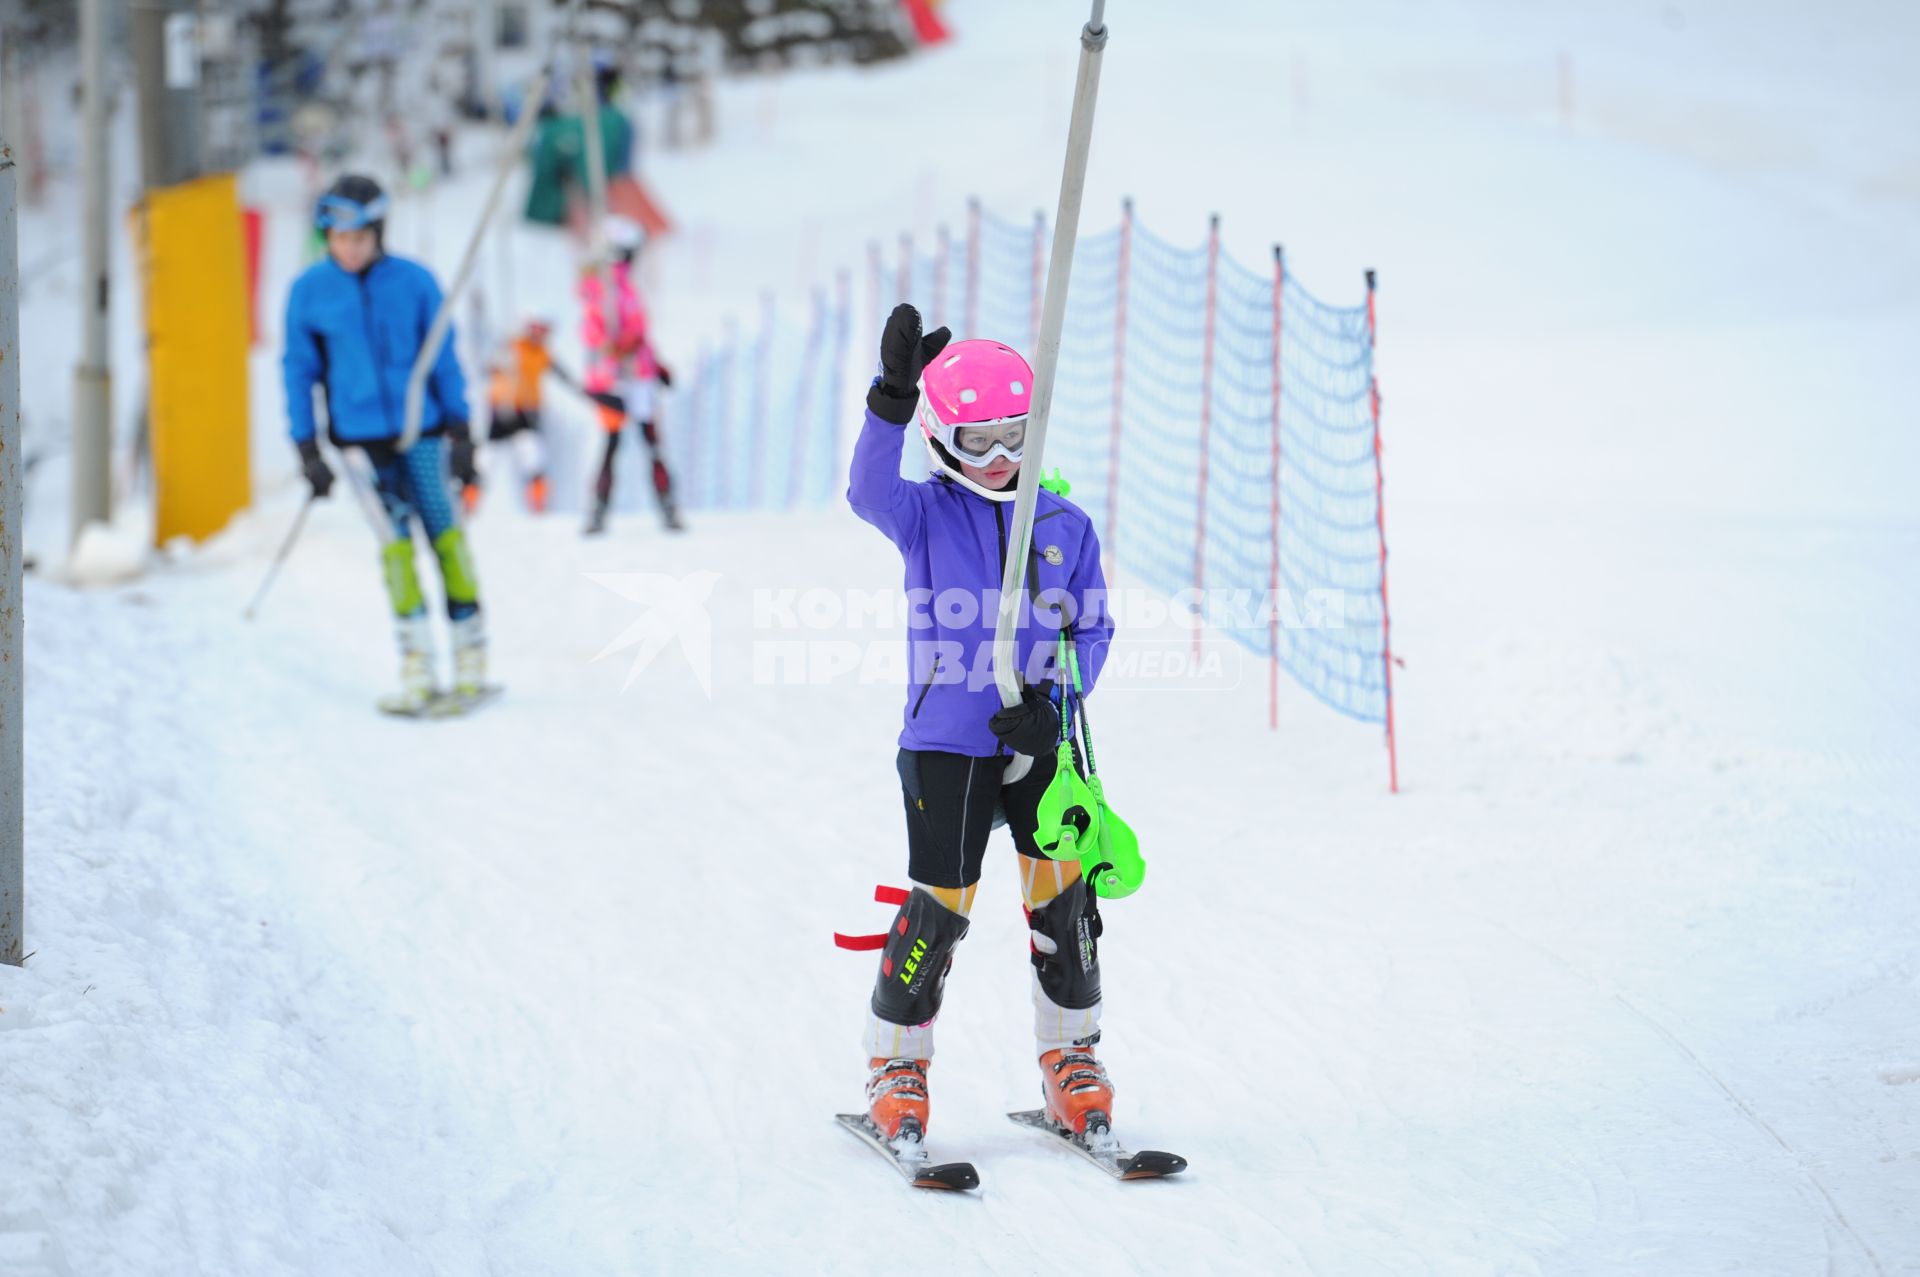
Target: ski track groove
<point x="1759" y="1123"/>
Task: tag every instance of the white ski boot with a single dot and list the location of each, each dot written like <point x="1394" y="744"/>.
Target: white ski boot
<point x="469" y="657"/>
<point x="416" y="668"/>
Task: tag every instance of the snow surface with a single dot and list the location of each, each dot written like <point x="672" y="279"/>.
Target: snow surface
<point x="1625" y="980"/>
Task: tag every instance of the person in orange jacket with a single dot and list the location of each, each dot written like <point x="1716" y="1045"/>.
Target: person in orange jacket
<point x="514" y="391"/>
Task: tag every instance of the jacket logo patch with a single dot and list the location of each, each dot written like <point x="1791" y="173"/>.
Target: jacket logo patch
<point x="1052" y="555"/>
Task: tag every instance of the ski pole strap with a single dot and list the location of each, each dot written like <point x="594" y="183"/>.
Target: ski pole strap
<point x="1070" y="657"/>
<point x="890" y="895"/>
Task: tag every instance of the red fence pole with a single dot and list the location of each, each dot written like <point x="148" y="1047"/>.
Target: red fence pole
<point x="1119" y="385"/>
<point x="1039" y="274"/>
<point x="1380" y="519"/>
<point x="972" y="318"/>
<point x="1206" y="424"/>
<point x="1273" y="560"/>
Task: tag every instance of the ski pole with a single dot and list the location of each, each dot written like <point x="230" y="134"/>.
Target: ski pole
<point x="286" y="548"/>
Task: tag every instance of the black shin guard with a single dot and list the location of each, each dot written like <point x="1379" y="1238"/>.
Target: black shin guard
<point x="1070" y="975"/>
<point x="914" y="963"/>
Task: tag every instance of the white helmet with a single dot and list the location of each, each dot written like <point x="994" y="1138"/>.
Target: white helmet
<point x="624" y="236"/>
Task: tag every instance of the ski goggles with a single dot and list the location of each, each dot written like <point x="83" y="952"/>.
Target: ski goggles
<point x="979" y="442"/>
<point x="338" y="213"/>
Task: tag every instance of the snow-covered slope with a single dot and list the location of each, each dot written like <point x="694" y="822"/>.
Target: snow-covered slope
<point x="1624" y="981"/>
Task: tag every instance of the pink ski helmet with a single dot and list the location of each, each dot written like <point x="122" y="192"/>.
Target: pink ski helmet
<point x="973" y="408"/>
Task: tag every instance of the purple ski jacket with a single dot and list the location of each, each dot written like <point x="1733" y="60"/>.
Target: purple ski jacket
<point x="954" y="544"/>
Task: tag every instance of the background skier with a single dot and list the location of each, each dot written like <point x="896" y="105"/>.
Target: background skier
<point x="625" y="367"/>
<point x="355" y="323"/>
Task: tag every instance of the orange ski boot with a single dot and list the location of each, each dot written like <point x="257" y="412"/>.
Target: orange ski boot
<point x="897" y="1097"/>
<point x="1079" y="1095"/>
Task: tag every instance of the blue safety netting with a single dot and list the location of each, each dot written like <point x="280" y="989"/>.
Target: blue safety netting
<point x="1306" y="587"/>
<point x="764" y="414"/>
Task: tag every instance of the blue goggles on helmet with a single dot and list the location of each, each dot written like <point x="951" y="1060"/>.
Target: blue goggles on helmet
<point x="338" y="213"/>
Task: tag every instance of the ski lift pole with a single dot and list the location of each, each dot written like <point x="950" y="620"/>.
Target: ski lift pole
<point x="598" y="250"/>
<point x="1046" y="360"/>
<point x="443" y="318"/>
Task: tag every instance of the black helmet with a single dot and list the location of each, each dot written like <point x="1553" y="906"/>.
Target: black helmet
<point x="353" y="201"/>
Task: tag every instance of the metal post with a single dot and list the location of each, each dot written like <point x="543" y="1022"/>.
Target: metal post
<point x="92" y="497"/>
<point x="1206" y="424"/>
<point x="443" y="318"/>
<point x="588" y="96"/>
<point x="1046" y="362"/>
<point x="904" y="279"/>
<point x="166" y="68"/>
<point x="485" y="31"/>
<point x="1380" y="522"/>
<point x="13" y="653"/>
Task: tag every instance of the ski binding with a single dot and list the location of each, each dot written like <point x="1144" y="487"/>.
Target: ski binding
<point x="908" y="1155"/>
<point x="1101" y="1148"/>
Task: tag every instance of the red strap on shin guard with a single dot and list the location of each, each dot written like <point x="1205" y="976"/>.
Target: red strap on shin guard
<point x="885" y="895"/>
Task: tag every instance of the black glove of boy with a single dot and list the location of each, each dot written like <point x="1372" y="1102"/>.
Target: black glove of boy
<point x="1032" y="727"/>
<point x="460" y="459"/>
<point x="319" y="474"/>
<point x="904" y="354"/>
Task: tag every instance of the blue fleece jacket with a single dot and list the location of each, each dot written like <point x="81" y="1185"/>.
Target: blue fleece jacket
<point x="954" y="543"/>
<point x="356" y="337"/>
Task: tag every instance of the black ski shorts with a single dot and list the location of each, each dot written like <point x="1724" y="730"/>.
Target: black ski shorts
<point x="506" y="424"/>
<point x="950" y="801"/>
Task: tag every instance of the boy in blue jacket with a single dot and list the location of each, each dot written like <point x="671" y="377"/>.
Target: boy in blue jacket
<point x="355" y="323"/>
<point x="952" y="531"/>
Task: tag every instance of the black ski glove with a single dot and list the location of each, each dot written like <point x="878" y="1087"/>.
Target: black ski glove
<point x="607" y="399"/>
<point x="1032" y="727"/>
<point x="314" y="466"/>
<point x="664" y="377"/>
<point x="460" y="459"/>
<point x="904" y="355"/>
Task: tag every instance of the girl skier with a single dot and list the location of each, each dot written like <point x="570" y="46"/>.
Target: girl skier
<point x="355" y="323"/>
<point x="623" y="371"/>
<point x="952" y="531"/>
